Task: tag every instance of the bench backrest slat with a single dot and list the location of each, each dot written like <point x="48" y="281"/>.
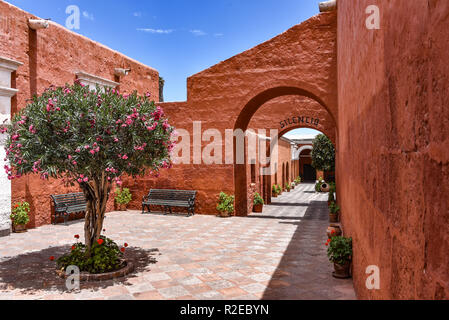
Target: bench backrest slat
<point x="172" y="195"/>
<point x="69" y="199"/>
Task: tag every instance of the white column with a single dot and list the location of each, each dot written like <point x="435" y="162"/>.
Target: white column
<point x="7" y="66"/>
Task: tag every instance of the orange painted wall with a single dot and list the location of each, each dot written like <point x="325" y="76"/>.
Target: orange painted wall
<point x="393" y="159"/>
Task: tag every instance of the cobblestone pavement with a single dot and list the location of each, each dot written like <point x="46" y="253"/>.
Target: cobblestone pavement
<point x="279" y="254"/>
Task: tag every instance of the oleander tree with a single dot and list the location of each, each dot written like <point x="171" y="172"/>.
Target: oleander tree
<point x="323" y="154"/>
<point x="91" y="138"/>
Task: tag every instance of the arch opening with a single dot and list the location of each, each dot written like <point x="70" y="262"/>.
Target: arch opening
<point x="243" y="203"/>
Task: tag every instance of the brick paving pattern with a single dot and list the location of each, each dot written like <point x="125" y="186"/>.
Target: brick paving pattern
<point x="279" y="254"/>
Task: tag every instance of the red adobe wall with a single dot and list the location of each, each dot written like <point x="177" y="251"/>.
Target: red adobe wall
<point x="393" y="159"/>
<point x="52" y="56"/>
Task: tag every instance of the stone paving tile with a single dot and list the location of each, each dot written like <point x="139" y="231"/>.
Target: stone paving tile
<point x="279" y="254"/>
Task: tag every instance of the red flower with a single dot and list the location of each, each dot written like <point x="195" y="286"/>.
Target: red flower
<point x="73" y="248"/>
<point x="100" y="241"/>
<point x="126" y="245"/>
<point x="326" y="244"/>
<point x="122" y="250"/>
<point x="52" y="258"/>
<point x="77" y="236"/>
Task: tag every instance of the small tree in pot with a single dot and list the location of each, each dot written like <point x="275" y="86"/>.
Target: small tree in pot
<point x="90" y="138"/>
<point x="340" y="253"/>
<point x="274" y="191"/>
<point x="225" y="205"/>
<point x="123" y="197"/>
<point x="334" y="211"/>
<point x="258" y="203"/>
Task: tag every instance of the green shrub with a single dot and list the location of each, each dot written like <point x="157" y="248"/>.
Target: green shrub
<point x="331" y="197"/>
<point x="225" y="204"/>
<point x="319" y="184"/>
<point x="20" y="213"/>
<point x="340" y="250"/>
<point x="278" y="189"/>
<point x="323" y="154"/>
<point x="334" y="208"/>
<point x="288" y="187"/>
<point x="123" y="196"/>
<point x="106" y="257"/>
<point x="258" y="199"/>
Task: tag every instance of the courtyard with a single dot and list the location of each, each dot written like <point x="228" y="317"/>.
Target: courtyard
<point x="279" y="254"/>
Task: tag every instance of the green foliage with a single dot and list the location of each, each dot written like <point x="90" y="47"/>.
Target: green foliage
<point x="340" y="250"/>
<point x="323" y="154"/>
<point x="298" y="180"/>
<point x="20" y="213"/>
<point x="258" y="199"/>
<point x="319" y="184"/>
<point x="278" y="189"/>
<point x="288" y="187"/>
<point x="106" y="257"/>
<point x="334" y="208"/>
<point x="225" y="204"/>
<point x="79" y="134"/>
<point x="331" y="197"/>
<point x="123" y="196"/>
<point x="274" y="189"/>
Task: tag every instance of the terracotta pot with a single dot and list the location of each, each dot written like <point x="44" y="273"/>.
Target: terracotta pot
<point x="258" y="208"/>
<point x="274" y="195"/>
<point x="224" y="215"/>
<point x="325" y="187"/>
<point x="333" y="217"/>
<point x="342" y="271"/>
<point x="337" y="230"/>
<point x="122" y="207"/>
<point x="20" y="228"/>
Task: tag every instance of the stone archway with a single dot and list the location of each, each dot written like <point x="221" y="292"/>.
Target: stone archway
<point x="242" y="205"/>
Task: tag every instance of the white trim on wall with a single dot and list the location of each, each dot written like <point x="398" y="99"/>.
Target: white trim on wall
<point x="92" y="80"/>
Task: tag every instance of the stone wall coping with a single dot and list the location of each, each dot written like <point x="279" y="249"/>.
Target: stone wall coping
<point x="8" y="92"/>
<point x="9" y="64"/>
<point x="95" y="79"/>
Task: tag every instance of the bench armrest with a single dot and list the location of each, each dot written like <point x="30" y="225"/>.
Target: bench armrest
<point x="145" y="198"/>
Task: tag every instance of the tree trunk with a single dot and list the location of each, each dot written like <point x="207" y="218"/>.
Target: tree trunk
<point x="97" y="195"/>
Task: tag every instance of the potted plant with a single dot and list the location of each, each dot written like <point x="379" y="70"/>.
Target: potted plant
<point x="298" y="181"/>
<point x="279" y="189"/>
<point x="20" y="216"/>
<point x="334" y="212"/>
<point x="274" y="190"/>
<point x="288" y="187"/>
<point x="340" y="253"/>
<point x="318" y="184"/>
<point x="293" y="185"/>
<point x="258" y="203"/>
<point x="225" y="205"/>
<point x="123" y="197"/>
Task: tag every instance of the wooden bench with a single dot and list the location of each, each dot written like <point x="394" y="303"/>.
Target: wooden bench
<point x="66" y="204"/>
<point x="169" y="199"/>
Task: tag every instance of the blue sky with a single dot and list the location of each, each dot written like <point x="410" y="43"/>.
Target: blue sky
<point x="178" y="37"/>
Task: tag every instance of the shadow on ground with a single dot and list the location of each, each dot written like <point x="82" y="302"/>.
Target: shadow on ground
<point x="34" y="271"/>
<point x="304" y="272"/>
